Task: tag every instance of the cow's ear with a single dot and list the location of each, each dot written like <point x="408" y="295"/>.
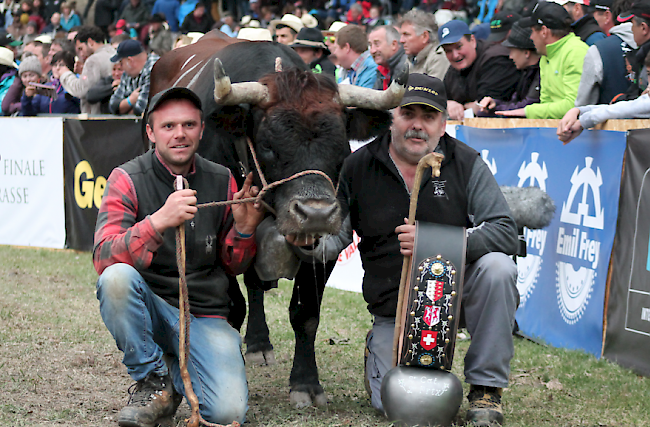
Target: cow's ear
<point x="363" y="124"/>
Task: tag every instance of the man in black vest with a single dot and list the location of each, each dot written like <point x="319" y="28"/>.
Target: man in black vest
<point x="135" y="255"/>
<point x="478" y="69"/>
<point x="604" y="75"/>
<point x="376" y="183"/>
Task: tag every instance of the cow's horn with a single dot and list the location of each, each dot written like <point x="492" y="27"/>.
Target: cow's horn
<point x="227" y="93"/>
<point x="355" y="96"/>
<point x="278" y="65"/>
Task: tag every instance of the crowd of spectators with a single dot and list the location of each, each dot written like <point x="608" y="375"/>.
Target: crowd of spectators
<point x="506" y="58"/>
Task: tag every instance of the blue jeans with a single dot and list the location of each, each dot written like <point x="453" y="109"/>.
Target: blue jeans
<point x="145" y="328"/>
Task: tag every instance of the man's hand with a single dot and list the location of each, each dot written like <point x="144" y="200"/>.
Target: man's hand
<point x="519" y="112"/>
<point x="247" y="216"/>
<point x="569" y="127"/>
<point x="456" y="111"/>
<point x="406" y="236"/>
<point x="487" y="103"/>
<point x="179" y="207"/>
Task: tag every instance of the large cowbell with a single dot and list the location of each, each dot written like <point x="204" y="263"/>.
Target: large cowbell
<point x="432" y="301"/>
<point x="420" y="390"/>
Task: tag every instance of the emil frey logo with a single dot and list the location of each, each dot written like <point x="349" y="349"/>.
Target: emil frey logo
<point x="576" y="275"/>
<point x="492" y="166"/>
<point x="529" y="267"/>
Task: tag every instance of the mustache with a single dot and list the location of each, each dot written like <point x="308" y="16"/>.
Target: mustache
<point x="416" y="134"/>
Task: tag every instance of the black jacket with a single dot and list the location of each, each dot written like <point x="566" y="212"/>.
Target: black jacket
<point x="377" y="198"/>
<point x="585" y="27"/>
<point x="491" y="74"/>
<point x="323" y="65"/>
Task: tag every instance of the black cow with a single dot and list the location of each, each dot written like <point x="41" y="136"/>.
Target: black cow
<point x="296" y="120"/>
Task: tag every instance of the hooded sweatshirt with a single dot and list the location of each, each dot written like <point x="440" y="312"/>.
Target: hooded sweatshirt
<point x="560" y="70"/>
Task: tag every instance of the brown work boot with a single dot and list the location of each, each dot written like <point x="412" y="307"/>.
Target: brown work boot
<point x="484" y="406"/>
<point x="152" y="399"/>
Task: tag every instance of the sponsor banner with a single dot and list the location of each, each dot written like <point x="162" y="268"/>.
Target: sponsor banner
<point x="348" y="271"/>
<point x="627" y="341"/>
<point x="31" y="190"/>
<point x="562" y="281"/>
<point x="92" y="148"/>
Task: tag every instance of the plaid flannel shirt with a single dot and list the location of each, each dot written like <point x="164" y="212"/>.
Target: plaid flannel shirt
<point x="128" y="84"/>
<point x="120" y="239"/>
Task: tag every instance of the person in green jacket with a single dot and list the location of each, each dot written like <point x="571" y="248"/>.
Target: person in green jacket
<point x="560" y="66"/>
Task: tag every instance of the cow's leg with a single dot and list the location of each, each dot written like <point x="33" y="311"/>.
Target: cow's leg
<point x="304" y="313"/>
<point x="259" y="349"/>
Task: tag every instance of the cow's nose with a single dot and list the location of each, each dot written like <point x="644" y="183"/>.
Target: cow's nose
<point x="313" y="214"/>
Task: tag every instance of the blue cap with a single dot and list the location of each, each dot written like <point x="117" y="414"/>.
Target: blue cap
<point x="127" y="48"/>
<point x="452" y="32"/>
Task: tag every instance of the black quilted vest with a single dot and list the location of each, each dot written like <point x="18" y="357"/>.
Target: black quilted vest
<point x="206" y="279"/>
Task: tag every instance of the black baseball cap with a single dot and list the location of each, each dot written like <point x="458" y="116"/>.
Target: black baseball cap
<point x="601" y="4"/>
<point x="501" y="23"/>
<point x="425" y="90"/>
<point x="127" y="48"/>
<point x="640" y="9"/>
<point x="519" y="38"/>
<point x="6" y="39"/>
<point x="173" y="93"/>
<point x="549" y="14"/>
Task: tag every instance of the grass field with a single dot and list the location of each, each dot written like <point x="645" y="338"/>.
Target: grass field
<point x="59" y="365"/>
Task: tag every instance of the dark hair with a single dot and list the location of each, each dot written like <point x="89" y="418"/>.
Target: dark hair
<point x="90" y="32"/>
<point x="619" y="7"/>
<point x="65" y="56"/>
<point x="646" y="62"/>
<point x="277" y="27"/>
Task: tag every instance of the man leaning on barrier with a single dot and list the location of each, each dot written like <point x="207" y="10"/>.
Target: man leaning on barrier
<point x="135" y="255"/>
<point x="375" y="187"/>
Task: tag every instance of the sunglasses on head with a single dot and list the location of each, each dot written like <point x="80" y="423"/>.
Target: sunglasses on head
<point x="330" y="39"/>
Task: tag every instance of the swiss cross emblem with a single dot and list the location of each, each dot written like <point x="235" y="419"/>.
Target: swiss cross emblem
<point x="428" y="340"/>
<point x="434" y="289"/>
<point x="431" y="315"/>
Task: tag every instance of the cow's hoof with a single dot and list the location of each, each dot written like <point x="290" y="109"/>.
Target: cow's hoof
<point x="320" y="399"/>
<point x="300" y="399"/>
<point x="261" y="358"/>
<point x="303" y="399"/>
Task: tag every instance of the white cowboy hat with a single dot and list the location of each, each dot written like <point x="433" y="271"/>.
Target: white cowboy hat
<point x="334" y="28"/>
<point x="309" y="20"/>
<point x="7" y="57"/>
<point x="255" y="34"/>
<point x="291" y="21"/>
<point x="195" y="36"/>
<point x="44" y="38"/>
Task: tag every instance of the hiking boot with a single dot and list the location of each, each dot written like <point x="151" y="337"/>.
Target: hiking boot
<point x="484" y="406"/>
<point x="151" y="399"/>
